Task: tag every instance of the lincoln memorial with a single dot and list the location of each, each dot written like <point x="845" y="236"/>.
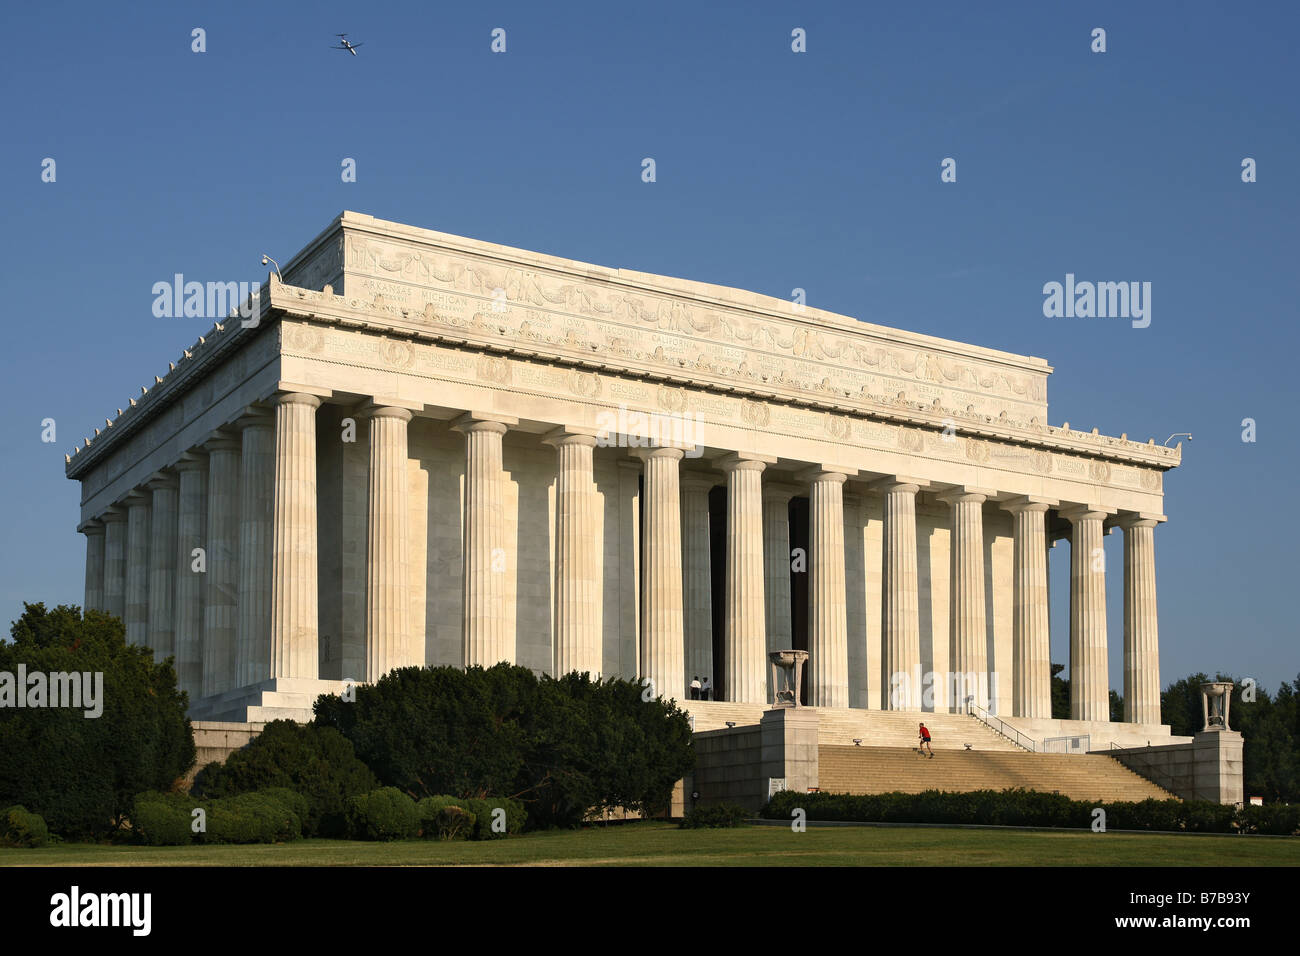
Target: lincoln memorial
<point x="426" y="449"/>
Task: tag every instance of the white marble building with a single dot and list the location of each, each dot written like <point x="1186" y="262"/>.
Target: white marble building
<point x="407" y="458"/>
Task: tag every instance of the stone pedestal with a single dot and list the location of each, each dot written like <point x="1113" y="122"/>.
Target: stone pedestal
<point x="1217" y="767"/>
<point x="789" y="747"/>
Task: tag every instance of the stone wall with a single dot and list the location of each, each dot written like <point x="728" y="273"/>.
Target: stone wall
<point x="1208" y="767"/>
<point x="217" y="740"/>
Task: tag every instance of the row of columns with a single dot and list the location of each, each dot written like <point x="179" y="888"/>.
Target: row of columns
<point x="248" y="498"/>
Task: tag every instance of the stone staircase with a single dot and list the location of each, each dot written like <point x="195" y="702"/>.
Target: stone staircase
<point x="279" y="698"/>
<point x="876" y="728"/>
<point x="871" y="769"/>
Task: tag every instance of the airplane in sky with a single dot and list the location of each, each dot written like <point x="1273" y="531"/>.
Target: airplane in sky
<point x="345" y="44"/>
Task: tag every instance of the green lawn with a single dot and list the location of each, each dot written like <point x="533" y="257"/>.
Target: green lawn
<point x="662" y="844"/>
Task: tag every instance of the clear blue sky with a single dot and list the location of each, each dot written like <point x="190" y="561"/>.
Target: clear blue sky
<point x="775" y="170"/>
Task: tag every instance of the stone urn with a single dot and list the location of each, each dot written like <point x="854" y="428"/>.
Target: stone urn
<point x="1215" y="698"/>
<point x="787" y="676"/>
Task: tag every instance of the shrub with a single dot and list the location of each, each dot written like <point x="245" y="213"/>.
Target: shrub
<point x="22" y="828"/>
<point x="484" y="810"/>
<point x="383" y="814"/>
<point x="566" y="747"/>
<point x="718" y="815"/>
<point x="317" y="763"/>
<point x="261" y="817"/>
<point x="1203" y="816"/>
<point x="159" y="820"/>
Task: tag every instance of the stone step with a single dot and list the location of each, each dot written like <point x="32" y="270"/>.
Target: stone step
<point x="885" y="769"/>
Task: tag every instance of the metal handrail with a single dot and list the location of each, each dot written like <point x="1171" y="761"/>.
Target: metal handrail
<point x="1003" y="728"/>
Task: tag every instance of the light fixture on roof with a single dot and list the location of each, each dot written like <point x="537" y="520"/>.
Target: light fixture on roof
<point x="266" y="259"/>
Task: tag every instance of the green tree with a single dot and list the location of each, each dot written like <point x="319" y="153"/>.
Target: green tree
<point x="82" y="773"/>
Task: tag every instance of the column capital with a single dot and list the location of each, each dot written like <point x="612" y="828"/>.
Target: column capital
<point x="91" y="526"/>
<point x="1136" y="519"/>
<point x="965" y="493"/>
<point x="837" y="474"/>
<point x="161" y="479"/>
<point x="780" y="491"/>
<point x="380" y="408"/>
<point x="700" y="480"/>
<point x="1028" y="503"/>
<point x="191" y="460"/>
<point x="316" y="391"/>
<point x="1075" y="513"/>
<point x="743" y="461"/>
<point x="254" y="416"/>
<point x="113" y="515"/>
<point x="482" y="422"/>
<point x="564" y="435"/>
<point x="660" y="451"/>
<point x="898" y="483"/>
<point x="136" y="498"/>
<point x="223" y="440"/>
<point x="295" y="398"/>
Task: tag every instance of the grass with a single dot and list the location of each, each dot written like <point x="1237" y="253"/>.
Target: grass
<point x="661" y="844"/>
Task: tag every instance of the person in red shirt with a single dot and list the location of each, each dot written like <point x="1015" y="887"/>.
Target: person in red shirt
<point x="925" y="742"/>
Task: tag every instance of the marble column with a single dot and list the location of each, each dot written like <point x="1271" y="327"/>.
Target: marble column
<point x="114" y="561"/>
<point x="388" y="547"/>
<point x="162" y="566"/>
<point x="487" y="640"/>
<point x="967" y="624"/>
<point x="256" y="506"/>
<point x="745" y="636"/>
<point x="900" y="626"/>
<point x="578" y="554"/>
<point x="1141" y="631"/>
<point x="137" y="568"/>
<point x="1089" y="683"/>
<point x="191" y="525"/>
<point x="697" y="577"/>
<point x="295" y="635"/>
<point x="94" y="532"/>
<point x="1031" y="634"/>
<point x="776" y="570"/>
<point x="662" y="639"/>
<point x="828" y="629"/>
<point x="221" y="593"/>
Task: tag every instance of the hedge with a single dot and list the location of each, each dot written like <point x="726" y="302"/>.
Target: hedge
<point x="1030" y="808"/>
<point x="717" y="816"/>
<point x="274" y="815"/>
<point x="437" y="822"/>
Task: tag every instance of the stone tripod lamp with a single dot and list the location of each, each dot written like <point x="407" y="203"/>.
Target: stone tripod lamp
<point x="1215" y="698"/>
<point x="787" y="676"/>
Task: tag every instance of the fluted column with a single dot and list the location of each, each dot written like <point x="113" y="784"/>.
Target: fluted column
<point x="295" y="633"/>
<point x="191" y="525"/>
<point x="137" y="568"/>
<point x="745" y="635"/>
<point x="162" y="566"/>
<point x="1031" y="635"/>
<point x="256" y="505"/>
<point x="221" y="591"/>
<point x="828" y="629"/>
<point x="1089" y="685"/>
<point x="900" y="625"/>
<point x="487" y="640"/>
<point x="1141" y="629"/>
<point x="662" y="638"/>
<point x="115" y="561"/>
<point x="967" y="629"/>
<point x="776" y="570"/>
<point x="388" y="559"/>
<point x="94" y="532"/>
<point x="578" y="556"/>
<point x="697" y="577"/>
